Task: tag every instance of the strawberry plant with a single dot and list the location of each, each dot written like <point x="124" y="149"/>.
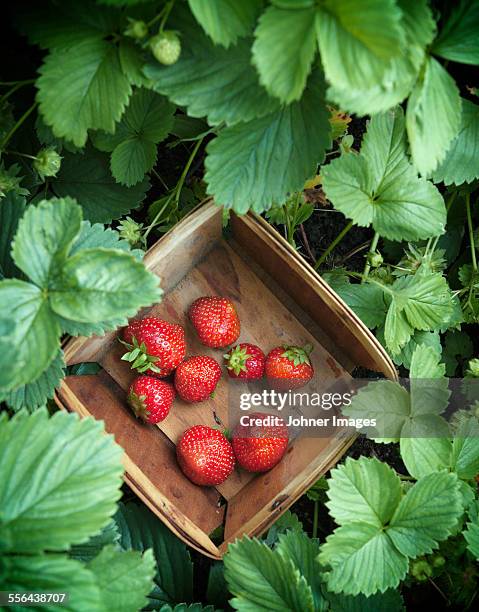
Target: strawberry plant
<point x="354" y="128"/>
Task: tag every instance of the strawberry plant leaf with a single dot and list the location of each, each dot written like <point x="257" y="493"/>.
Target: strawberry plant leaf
<point x="225" y="20"/>
<point x="110" y="568"/>
<point x="36" y="393"/>
<point x="82" y="90"/>
<point x="54" y="573"/>
<point x="364" y="490"/>
<point x="419" y="338"/>
<point x="87" y="178"/>
<point x="90" y="549"/>
<point x="302" y="551"/>
<point x="367" y="301"/>
<point x="296" y="137"/>
<point x="465" y="450"/>
<point x="35" y="329"/>
<point x="391" y="600"/>
<point x="96" y="235"/>
<point x="44" y="237"/>
<point x="12" y="208"/>
<point x="378" y="186"/>
<point x="132" y="62"/>
<point x="434" y="101"/>
<point x="82" y="487"/>
<point x="146" y="121"/>
<point x="458" y="40"/>
<point x="195" y="607"/>
<point x="213" y="82"/>
<point x="284" y="50"/>
<point x="259" y="577"/>
<point x="426" y="515"/>
<point x="402" y="70"/>
<point x="471" y="534"/>
<point x="83" y="294"/>
<point x="422" y="456"/>
<point x="66" y="24"/>
<point x="140" y="530"/>
<point x="288" y="521"/>
<point x="460" y="163"/>
<point x="357" y="40"/>
<point x="363" y="559"/>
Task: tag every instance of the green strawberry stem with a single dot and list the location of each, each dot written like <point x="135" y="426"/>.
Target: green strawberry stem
<point x="298" y="354"/>
<point x="236" y="360"/>
<point x="138" y="357"/>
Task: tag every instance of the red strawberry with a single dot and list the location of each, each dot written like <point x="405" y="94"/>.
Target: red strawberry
<point x="196" y="378"/>
<point x="245" y="361"/>
<point x="150" y="398"/>
<point x="205" y="455"/>
<point x="215" y="320"/>
<point x="155" y="346"/>
<point x="289" y="367"/>
<point x="260" y="444"/>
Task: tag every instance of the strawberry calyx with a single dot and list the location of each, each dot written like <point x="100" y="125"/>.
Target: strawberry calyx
<point x="138" y="405"/>
<point x="298" y="354"/>
<point x="236" y="359"/>
<point x="138" y="357"/>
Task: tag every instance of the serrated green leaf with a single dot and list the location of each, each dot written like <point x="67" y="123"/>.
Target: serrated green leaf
<point x="364" y="490"/>
<point x="302" y="551"/>
<point x="35" y="330"/>
<point x="87" y="178"/>
<point x="460" y="164"/>
<point x="427" y="514"/>
<point x="386" y="402"/>
<point x="211" y="81"/>
<point x="458" y="40"/>
<point x="363" y="559"/>
<point x="402" y="70"/>
<point x="425" y="363"/>
<point x="111" y="567"/>
<point x="67" y="24"/>
<point x="132" y="62"/>
<point x="294" y="139"/>
<point x="286" y="522"/>
<point x="225" y="20"/>
<point x="77" y="480"/>
<point x="471" y="534"/>
<point x="12" y="207"/>
<point x="109" y="535"/>
<point x="44" y="237"/>
<point x="52" y="573"/>
<point x="419" y="338"/>
<point x="85" y="293"/>
<point x="36" y="393"/>
<point x="434" y="101"/>
<point x="389" y="601"/>
<point x="380" y="187"/>
<point x="367" y="301"/>
<point x="465" y="450"/>
<point x="96" y="235"/>
<point x="146" y="121"/>
<point x="422" y="456"/>
<point x="141" y="530"/>
<point x="357" y="40"/>
<point x="82" y="90"/>
<point x="261" y="578"/>
<point x="284" y="50"/>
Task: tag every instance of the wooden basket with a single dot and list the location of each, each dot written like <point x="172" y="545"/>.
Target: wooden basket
<point x="280" y="299"/>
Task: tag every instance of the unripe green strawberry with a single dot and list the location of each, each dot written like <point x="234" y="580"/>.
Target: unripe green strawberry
<point x="420" y="569"/>
<point x="47" y="162"/>
<point x="136" y="29"/>
<point x="166" y="47"/>
<point x="375" y="259"/>
<point x="130" y="230"/>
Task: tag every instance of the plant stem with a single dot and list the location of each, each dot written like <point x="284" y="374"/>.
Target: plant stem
<point x="372" y="249"/>
<point x="23" y="118"/>
<point x="315" y="519"/>
<point x="166" y="14"/>
<point x="333" y="245"/>
<point x="20" y="154"/>
<point x="471" y="231"/>
<point x="307" y="246"/>
<point x="158" y="176"/>
<point x="12" y="83"/>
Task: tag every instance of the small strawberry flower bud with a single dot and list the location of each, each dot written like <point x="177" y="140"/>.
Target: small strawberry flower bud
<point x="136" y="29"/>
<point x="47" y="162"/>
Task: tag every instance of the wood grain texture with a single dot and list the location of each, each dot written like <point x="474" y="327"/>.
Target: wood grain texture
<point x="280" y="300"/>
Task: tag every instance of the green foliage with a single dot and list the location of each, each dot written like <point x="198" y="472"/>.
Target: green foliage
<point x="64" y="466"/>
<point x="457" y="40"/>
<point x="378" y="186"/>
<point x="369" y="551"/>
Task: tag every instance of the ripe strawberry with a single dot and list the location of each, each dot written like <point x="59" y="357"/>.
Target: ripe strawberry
<point x="154" y="345"/>
<point x="150" y="398"/>
<point x="245" y="361"/>
<point x="205" y="455"/>
<point x="215" y="320"/>
<point x="196" y="378"/>
<point x="258" y="445"/>
<point x="289" y="367"/>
